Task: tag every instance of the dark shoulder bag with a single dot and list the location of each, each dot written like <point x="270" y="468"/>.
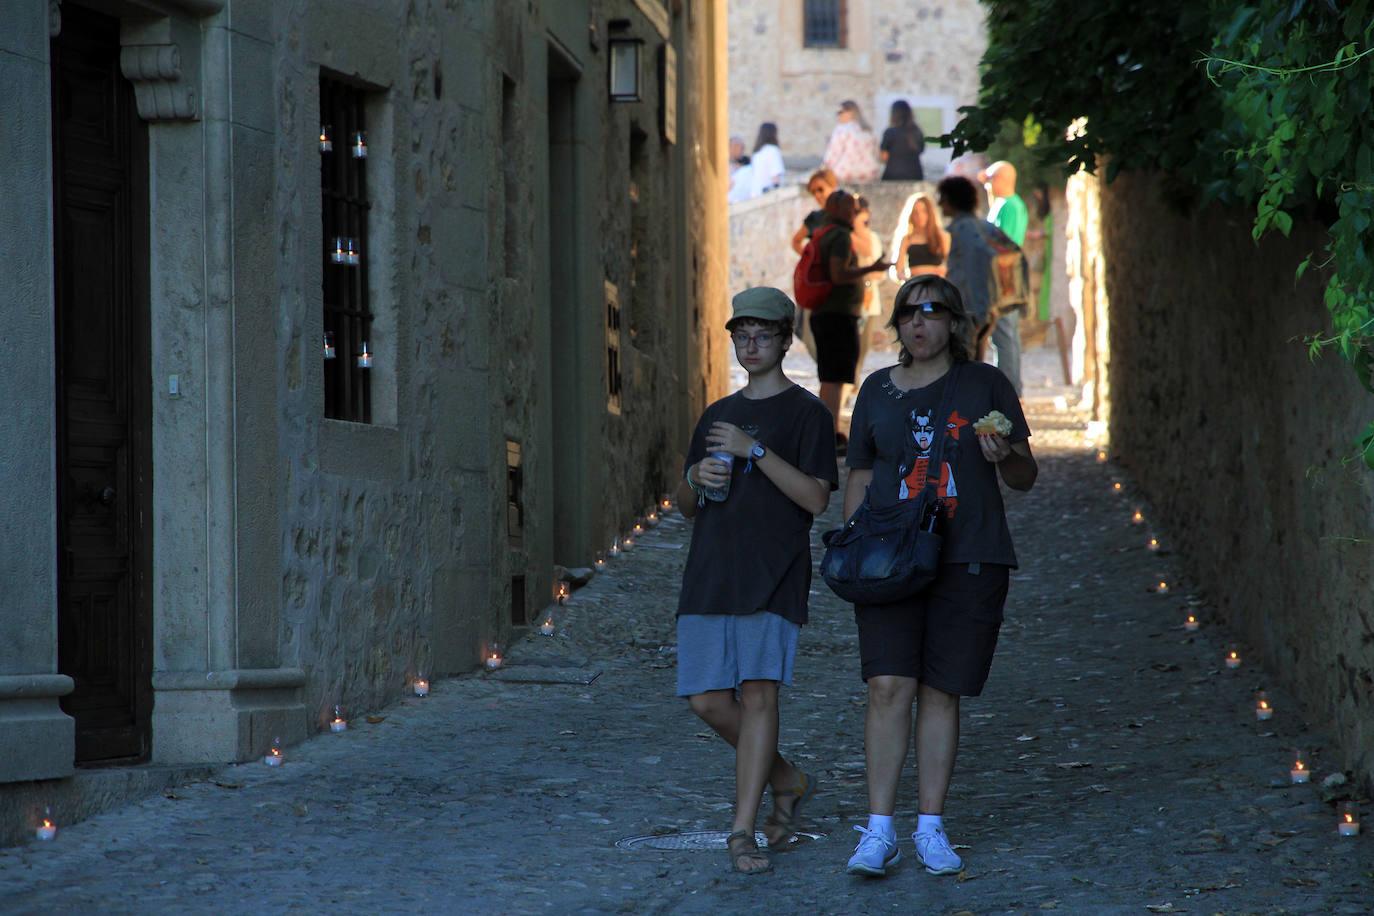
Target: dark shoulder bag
<point x="885" y="554"/>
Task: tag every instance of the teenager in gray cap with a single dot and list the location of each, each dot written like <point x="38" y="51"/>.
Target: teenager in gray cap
<point x="760" y="467"/>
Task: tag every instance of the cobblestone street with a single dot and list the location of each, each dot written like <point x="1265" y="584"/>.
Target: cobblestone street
<point x="1114" y="764"/>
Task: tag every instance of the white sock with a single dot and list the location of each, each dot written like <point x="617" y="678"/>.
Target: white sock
<point x="881" y="824"/>
<point x="930" y="823"/>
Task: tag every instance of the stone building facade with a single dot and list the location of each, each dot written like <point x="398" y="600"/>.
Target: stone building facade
<point x="217" y="530"/>
<point x="793" y="63"/>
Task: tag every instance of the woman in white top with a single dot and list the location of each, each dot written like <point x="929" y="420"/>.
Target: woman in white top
<point x="852" y="153"/>
<point x="767" y="159"/>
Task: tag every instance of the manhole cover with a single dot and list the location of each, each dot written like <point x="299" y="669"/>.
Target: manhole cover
<point x="700" y="840"/>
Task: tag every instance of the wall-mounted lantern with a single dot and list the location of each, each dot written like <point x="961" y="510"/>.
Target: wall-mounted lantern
<point x="626" y="58"/>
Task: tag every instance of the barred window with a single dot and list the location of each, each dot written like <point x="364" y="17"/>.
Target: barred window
<point x="344" y="205"/>
<point x="823" y="23"/>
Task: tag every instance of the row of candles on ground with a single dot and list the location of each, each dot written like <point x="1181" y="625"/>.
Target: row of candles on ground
<point x="621" y="545"/>
<point x="331" y="352"/>
<point x="357" y="142"/>
<point x="1348" y="822"/>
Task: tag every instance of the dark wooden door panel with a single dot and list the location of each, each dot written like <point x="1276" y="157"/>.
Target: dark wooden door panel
<point x="103" y="389"/>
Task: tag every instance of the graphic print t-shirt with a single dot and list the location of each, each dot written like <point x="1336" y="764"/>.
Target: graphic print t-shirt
<point x="752" y="552"/>
<point x="894" y="432"/>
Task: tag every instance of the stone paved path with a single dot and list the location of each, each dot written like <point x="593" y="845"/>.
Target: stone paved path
<point x="1113" y="764"/>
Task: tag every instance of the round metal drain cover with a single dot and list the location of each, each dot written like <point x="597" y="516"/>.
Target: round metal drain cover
<point x="700" y="840"/>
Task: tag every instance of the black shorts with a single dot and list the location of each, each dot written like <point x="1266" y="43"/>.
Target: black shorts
<point x="944" y="637"/>
<point x="837" y="346"/>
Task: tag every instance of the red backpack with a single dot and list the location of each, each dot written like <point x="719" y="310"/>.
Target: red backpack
<point x="811" y="283"/>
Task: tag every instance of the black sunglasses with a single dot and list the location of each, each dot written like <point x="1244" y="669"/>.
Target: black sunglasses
<point x="927" y="310"/>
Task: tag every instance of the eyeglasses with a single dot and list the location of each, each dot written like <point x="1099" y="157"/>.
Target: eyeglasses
<point x="763" y="340"/>
<point x="929" y="311"/>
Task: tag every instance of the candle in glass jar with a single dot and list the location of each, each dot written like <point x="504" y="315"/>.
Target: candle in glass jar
<point x="628" y="543"/>
<point x="1137" y="517"/>
<point x="1117" y="487"/>
<point x="1263" y="711"/>
<point x="1233" y="658"/>
<point x="1101" y="456"/>
<point x="422" y="686"/>
<point x="1154" y="545"/>
<point x="47" y="830"/>
<point x="365" y="357"/>
<point x="651" y="519"/>
<point x="1348" y="823"/>
<point x="359" y="145"/>
<point x="326" y="143"/>
<point x="1190" y="623"/>
<point x="274" y="757"/>
<point x="338" y="723"/>
<point x="600" y="563"/>
<point x="665" y="504"/>
<point x="493" y="660"/>
<point x="1300" y="773"/>
<point x="547" y="627"/>
<point x="1162" y="588"/>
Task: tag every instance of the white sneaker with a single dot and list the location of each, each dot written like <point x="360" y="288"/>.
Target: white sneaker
<point x="874" y="854"/>
<point x="934" y="852"/>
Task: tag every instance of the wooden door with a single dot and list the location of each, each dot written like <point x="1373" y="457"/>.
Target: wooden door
<point x="100" y="244"/>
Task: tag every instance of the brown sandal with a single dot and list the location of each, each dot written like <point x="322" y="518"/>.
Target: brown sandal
<point x="786" y="821"/>
<point x="742" y="845"/>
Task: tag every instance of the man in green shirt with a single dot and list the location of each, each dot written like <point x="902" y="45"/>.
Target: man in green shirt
<point x="1008" y="213"/>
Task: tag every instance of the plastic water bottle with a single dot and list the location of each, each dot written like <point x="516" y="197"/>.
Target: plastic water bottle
<point x="720" y="493"/>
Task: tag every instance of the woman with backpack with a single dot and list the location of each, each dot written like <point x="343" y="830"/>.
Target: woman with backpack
<point x="917" y="434"/>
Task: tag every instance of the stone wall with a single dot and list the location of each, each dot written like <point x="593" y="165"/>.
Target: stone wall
<point x="1243" y="445"/>
<point x="926" y="51"/>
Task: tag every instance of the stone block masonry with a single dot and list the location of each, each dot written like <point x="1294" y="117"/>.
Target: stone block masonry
<point x="1244" y="445"/>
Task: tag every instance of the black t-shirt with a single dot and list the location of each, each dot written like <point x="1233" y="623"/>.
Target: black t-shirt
<point x="903" y="147"/>
<point x="752" y="552"/>
<point x="814" y="220"/>
<point x="887" y="417"/>
<point x="844" y="298"/>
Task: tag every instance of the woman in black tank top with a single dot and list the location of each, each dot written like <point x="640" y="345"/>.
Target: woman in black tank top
<point x="925" y="242"/>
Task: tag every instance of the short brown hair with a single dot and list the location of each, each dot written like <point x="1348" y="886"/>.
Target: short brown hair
<point x="935" y="288"/>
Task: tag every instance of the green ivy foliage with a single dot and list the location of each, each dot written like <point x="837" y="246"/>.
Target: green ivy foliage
<point x="1266" y="103"/>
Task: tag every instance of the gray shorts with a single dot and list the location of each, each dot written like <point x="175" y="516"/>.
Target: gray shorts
<point x="718" y="651"/>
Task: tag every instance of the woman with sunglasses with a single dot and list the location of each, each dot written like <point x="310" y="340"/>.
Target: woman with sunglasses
<point x="936" y="646"/>
<point x="760" y="467"/>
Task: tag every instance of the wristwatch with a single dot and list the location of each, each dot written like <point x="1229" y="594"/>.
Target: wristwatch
<point x="757" y="452"/>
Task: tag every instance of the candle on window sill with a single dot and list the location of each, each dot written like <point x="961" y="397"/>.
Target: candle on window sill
<point x="47" y="830"/>
<point x="365" y="357"/>
<point x="1300" y="773"/>
<point x="421" y="686"/>
<point x="547" y="628"/>
<point x="359" y="145"/>
<point x="273" y="757"/>
<point x="326" y="142"/>
<point x="329" y="351"/>
<point x="338" y="723"/>
<point x="1348" y="823"/>
<point x="1190" y="623"/>
<point x="1263" y="711"/>
<point x="1233" y="658"/>
<point x="339" y="255"/>
<point x="352" y="257"/>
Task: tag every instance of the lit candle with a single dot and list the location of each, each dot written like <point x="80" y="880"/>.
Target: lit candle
<point x="340" y="253"/>
<point x="1138" y="517"/>
<point x="493" y="659"/>
<point x="338" y="723"/>
<point x="1154" y="545"/>
<point x="421" y="686"/>
<point x="547" y="627"/>
<point x="1101" y="456"/>
<point x="627" y="544"/>
<point x="1162" y="588"/>
<point x="638" y="529"/>
<point x="1299" y="774"/>
<point x="1190" y="623"/>
<point x="274" y="757"/>
<point x="665" y="504"/>
<point x="615" y="549"/>
<point x="1117" y="487"/>
<point x="651" y="519"/>
<point x="47" y="830"/>
<point x="359" y="145"/>
<point x="329" y="351"/>
<point x="351" y="255"/>
<point x="562" y="593"/>
<point x="1263" y="711"/>
<point x="1233" y="658"/>
<point x="365" y="357"/>
<point x="326" y="144"/>
<point x="1349" y="822"/>
<point x="600" y="563"/>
